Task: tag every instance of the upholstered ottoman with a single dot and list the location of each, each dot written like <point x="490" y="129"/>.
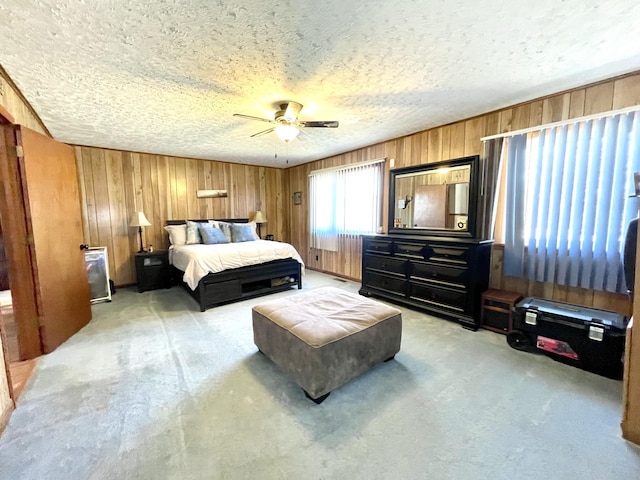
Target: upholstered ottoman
<point x="325" y="337"/>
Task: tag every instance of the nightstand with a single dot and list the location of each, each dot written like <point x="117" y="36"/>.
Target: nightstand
<point x="497" y="310"/>
<point x="153" y="270"/>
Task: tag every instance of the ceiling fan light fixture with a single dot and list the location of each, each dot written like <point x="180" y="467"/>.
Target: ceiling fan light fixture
<point x="286" y="133"/>
<point x="287" y="126"/>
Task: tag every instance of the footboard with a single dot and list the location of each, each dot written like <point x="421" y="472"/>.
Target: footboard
<point x="245" y="282"/>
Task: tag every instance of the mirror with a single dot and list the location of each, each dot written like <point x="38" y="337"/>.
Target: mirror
<point x="435" y="198"/>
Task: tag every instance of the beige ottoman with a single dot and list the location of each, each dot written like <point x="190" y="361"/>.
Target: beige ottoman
<point x="325" y="337"/>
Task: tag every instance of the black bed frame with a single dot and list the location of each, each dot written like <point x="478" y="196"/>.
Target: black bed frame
<point x="244" y="282"/>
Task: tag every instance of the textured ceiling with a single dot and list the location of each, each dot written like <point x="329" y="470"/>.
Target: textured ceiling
<point x="166" y="76"/>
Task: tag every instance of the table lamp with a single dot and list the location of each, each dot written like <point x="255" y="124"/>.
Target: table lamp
<point x="258" y="217"/>
<point x="139" y="220"/>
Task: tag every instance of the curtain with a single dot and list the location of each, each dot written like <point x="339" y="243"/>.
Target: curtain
<point x="490" y="165"/>
<point x="513" y="260"/>
<point x="568" y="202"/>
<point x="345" y="203"/>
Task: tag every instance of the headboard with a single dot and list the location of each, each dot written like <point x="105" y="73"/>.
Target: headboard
<point x="229" y="220"/>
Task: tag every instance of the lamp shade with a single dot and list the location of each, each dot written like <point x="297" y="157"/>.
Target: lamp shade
<point x="258" y="217"/>
<point x="139" y="220"/>
<point x="286" y="132"/>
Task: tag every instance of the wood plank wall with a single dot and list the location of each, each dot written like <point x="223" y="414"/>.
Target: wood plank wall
<point x="13" y="101"/>
<point x="114" y="184"/>
<point x="456" y="140"/>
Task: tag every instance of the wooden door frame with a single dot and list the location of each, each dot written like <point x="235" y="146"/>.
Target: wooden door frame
<point x="13" y="215"/>
<point x="6" y="117"/>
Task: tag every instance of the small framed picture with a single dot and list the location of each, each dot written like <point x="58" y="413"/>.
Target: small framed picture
<point x="297" y="198"/>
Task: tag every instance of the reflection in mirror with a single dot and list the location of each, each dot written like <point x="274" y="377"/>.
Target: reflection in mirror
<point x="433" y="199"/>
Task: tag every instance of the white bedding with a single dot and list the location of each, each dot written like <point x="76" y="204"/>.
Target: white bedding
<point x="198" y="260"/>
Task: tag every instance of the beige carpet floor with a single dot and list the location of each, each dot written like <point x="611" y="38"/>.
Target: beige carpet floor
<point x="154" y="389"/>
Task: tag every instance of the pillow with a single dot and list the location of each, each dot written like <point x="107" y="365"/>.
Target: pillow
<point x="224" y="226"/>
<point x="242" y="232"/>
<point x="253" y="228"/>
<point x="177" y="234"/>
<point x="193" y="236"/>
<point x="211" y="235"/>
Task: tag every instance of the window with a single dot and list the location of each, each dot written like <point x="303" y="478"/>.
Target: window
<point x="567" y="201"/>
<point x="345" y="202"/>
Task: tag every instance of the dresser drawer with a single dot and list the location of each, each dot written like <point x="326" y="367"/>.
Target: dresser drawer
<point x="413" y="250"/>
<point x="385" y="283"/>
<point x="450" y="299"/>
<point x="446" y="254"/>
<point x="385" y="264"/>
<point x="434" y="272"/>
<point x="378" y="246"/>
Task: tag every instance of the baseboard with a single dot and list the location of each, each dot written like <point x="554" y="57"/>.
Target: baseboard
<point x="4" y="418"/>
<point x="357" y="280"/>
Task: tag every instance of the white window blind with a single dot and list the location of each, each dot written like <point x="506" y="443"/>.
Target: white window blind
<point x="345" y="202"/>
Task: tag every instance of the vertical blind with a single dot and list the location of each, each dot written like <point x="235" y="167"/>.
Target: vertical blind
<point x="345" y="202"/>
<point x="568" y="202"/>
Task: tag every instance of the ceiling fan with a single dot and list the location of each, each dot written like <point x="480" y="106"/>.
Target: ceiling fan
<point x="287" y="126"/>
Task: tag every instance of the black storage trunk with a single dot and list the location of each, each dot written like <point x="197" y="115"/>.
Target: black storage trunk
<point x="584" y="337"/>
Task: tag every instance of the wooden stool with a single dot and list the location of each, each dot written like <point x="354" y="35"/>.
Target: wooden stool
<point x="497" y="310"/>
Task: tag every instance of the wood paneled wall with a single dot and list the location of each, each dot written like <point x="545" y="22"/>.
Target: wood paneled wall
<point x="461" y="139"/>
<point x="115" y="184"/>
<point x="13" y="101"/>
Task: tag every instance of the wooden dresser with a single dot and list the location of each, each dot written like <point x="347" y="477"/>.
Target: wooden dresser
<point x="443" y="275"/>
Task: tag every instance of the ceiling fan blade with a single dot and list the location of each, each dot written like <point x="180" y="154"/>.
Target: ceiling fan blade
<point x="292" y="111"/>
<point x="264" y="132"/>
<point x="321" y="124"/>
<point x="249" y="117"/>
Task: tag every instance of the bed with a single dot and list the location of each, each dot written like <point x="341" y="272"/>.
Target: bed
<point x="215" y="274"/>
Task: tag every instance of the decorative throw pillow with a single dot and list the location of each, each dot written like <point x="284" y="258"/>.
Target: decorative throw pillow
<point x="242" y="232"/>
<point x="225" y="227"/>
<point x="211" y="235"/>
<point x="193" y="236"/>
<point x="253" y="228"/>
<point x="177" y="234"/>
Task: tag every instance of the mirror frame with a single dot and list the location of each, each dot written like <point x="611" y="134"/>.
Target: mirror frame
<point x="473" y="161"/>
